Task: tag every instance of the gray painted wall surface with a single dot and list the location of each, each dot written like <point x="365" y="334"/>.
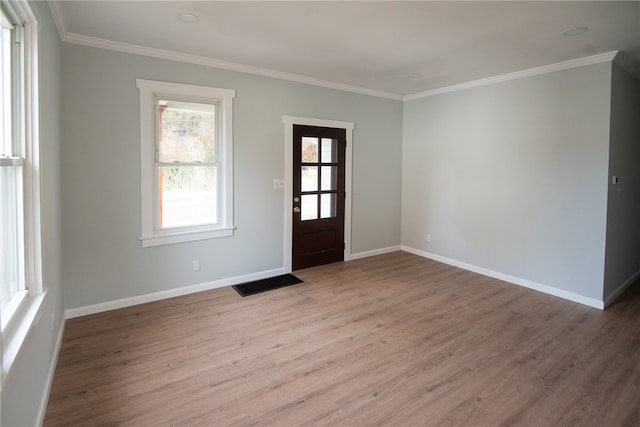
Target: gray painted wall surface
<point x="102" y="256"/>
<point x="623" y="216"/>
<point x="512" y="177"/>
<point x="26" y="385"/>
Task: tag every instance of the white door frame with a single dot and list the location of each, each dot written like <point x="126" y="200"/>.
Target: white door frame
<point x="289" y="121"/>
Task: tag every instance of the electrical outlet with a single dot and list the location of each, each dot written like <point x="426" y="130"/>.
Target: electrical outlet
<point x="428" y="237"/>
<point x="196" y="265"/>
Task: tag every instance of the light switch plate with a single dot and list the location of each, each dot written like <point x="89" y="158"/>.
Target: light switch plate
<point x="278" y="183"/>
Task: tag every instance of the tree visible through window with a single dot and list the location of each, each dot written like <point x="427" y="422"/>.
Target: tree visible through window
<point x="187" y="164"/>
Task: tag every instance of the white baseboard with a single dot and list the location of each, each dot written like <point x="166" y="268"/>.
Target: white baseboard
<point x="591" y="302"/>
<point x="620" y="289"/>
<point x="42" y="410"/>
<point x="170" y="293"/>
<point x="375" y="252"/>
<point x="156" y="296"/>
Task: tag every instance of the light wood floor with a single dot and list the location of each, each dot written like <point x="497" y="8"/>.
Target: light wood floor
<point x="389" y="340"/>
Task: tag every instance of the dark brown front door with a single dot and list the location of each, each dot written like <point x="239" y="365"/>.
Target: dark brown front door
<point x="318" y="195"/>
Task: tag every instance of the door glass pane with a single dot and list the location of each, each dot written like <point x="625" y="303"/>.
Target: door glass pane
<point x="309" y="149"/>
<point x="309" y="206"/>
<point x="328" y="178"/>
<point x="329" y="150"/>
<point x="309" y="178"/>
<point x="328" y="205"/>
<point x="186" y="131"/>
<point x="187" y="196"/>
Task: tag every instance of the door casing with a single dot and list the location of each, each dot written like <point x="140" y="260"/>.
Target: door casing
<point x="289" y="121"/>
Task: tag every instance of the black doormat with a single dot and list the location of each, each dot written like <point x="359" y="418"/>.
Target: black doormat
<point x="264" y="285"/>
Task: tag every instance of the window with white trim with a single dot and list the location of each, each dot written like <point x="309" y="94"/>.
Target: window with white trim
<point x="21" y="290"/>
<point x="186" y="149"/>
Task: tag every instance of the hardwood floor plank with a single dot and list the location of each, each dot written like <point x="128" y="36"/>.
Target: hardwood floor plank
<point x="394" y="339"/>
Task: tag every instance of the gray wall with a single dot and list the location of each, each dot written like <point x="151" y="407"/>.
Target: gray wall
<point x="102" y="256"/>
<point x="512" y="177"/>
<point x="623" y="216"/>
<point x="27" y="383"/>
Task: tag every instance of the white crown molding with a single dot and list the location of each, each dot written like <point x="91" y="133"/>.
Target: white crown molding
<point x="574" y="63"/>
<point x="83" y="40"/>
<point x="622" y="60"/>
<point x="58" y="18"/>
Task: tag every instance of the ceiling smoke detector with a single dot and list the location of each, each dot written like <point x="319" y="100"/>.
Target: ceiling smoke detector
<point x="188" y="18"/>
<point x="575" y="31"/>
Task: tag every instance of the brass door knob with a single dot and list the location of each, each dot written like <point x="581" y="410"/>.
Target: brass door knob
<point x="296" y="210"/>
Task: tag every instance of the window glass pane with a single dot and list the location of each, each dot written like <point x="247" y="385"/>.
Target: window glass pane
<point x="11" y="190"/>
<point x="309" y="206"/>
<point x="187" y="196"/>
<point x="329" y="150"/>
<point x="187" y="132"/>
<point x="309" y="149"/>
<point x="309" y="179"/>
<point x="10" y="232"/>
<point x="328" y="205"/>
<point x="328" y="178"/>
<point x="5" y="92"/>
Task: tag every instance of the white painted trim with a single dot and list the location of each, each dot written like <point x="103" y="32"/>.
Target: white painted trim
<point x="42" y="408"/>
<point x="289" y="121"/>
<point x="16" y="330"/>
<point x="375" y="252"/>
<point x="14" y="338"/>
<point x="189" y="236"/>
<point x="591" y="302"/>
<point x="574" y="63"/>
<point x="150" y="236"/>
<point x="169" y="293"/>
<point x="620" y="289"/>
<point x="58" y="18"/>
<point x="83" y="40"/>
<point x="33" y="234"/>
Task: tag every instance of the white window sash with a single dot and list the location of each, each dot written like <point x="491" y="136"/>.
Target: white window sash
<point x="193" y="228"/>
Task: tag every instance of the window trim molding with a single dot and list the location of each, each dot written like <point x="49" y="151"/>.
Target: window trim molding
<point x="16" y="330"/>
<point x="33" y="242"/>
<point x="148" y="90"/>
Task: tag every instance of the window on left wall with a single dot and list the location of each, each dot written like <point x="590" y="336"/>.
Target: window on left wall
<point x="21" y="291"/>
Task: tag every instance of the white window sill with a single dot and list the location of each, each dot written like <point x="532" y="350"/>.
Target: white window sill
<point x="15" y="334"/>
<point x="10" y="308"/>
<point x="188" y="236"/>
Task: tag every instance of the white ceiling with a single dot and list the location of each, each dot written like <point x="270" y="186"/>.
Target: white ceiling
<point x="390" y="47"/>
